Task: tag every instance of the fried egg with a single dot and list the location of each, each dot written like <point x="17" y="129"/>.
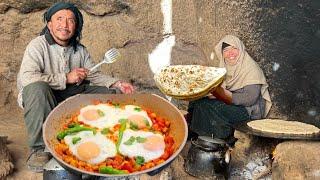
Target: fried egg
<point x="89" y="147"/>
<point x="106" y="116"/>
<point x="137" y="116"/>
<point x="100" y="116"/>
<point x="142" y="143"/>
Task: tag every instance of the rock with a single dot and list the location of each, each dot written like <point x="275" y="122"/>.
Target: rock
<point x="102" y="8"/>
<point x="6" y="165"/>
<point x="3" y="8"/>
<point x="298" y="159"/>
<point x="95" y="7"/>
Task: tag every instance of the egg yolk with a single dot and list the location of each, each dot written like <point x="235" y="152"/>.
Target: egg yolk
<point x="91" y="115"/>
<point x="138" y="120"/>
<point x="88" y="150"/>
<point x="154" y="143"/>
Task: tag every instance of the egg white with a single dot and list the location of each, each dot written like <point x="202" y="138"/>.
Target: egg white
<point x="137" y="149"/>
<point x="110" y="118"/>
<point x="107" y="147"/>
<point x="132" y="110"/>
<point x="112" y="115"/>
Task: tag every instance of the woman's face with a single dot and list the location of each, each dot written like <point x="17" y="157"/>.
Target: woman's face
<point x="230" y="54"/>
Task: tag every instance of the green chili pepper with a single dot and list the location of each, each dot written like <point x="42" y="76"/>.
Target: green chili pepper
<point x="101" y="113"/>
<point x="110" y="170"/>
<point x="130" y="141"/>
<point x="75" y="140"/>
<point x="73" y="125"/>
<point x="122" y="128"/>
<point x="75" y="129"/>
<point x="141" y="139"/>
<point x="133" y="126"/>
<point x="147" y="122"/>
<point x="122" y="120"/>
<point x="137" y="109"/>
<point x="105" y="131"/>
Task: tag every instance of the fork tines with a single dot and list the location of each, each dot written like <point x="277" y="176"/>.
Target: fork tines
<point x="113" y="54"/>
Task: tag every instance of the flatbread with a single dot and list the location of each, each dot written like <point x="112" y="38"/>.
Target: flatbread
<point x="283" y="127"/>
<point x="188" y="80"/>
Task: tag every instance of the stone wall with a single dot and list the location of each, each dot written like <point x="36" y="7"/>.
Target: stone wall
<point x="282" y="36"/>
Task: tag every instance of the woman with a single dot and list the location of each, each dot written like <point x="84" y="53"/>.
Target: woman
<point x="242" y="96"/>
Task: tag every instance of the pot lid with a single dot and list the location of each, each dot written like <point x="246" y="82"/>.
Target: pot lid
<point x="211" y="140"/>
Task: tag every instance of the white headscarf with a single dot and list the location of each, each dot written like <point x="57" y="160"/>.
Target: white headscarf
<point x="245" y="72"/>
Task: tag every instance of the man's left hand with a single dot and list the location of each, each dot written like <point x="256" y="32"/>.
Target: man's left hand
<point x="125" y="88"/>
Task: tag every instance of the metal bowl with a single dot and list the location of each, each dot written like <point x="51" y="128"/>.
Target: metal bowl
<point x="159" y="105"/>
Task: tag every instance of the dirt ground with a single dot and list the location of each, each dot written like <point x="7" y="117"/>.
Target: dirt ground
<point x="12" y="125"/>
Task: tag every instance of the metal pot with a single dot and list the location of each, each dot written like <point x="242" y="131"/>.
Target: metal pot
<point x="207" y="157"/>
<point x="163" y="108"/>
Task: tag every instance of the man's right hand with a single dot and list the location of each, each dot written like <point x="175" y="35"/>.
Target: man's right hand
<point x="77" y="75"/>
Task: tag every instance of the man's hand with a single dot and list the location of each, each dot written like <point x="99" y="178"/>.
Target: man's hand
<point x="77" y="75"/>
<point x="125" y="88"/>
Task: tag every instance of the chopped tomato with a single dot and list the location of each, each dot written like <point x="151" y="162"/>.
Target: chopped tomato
<point x="127" y="166"/>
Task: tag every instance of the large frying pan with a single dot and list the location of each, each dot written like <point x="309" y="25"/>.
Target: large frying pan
<point x="159" y="105"/>
<point x="243" y="127"/>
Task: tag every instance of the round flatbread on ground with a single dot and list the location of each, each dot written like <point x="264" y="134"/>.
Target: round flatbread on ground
<point x="188" y="81"/>
<point x="283" y="127"/>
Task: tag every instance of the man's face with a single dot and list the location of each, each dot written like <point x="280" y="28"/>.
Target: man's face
<point x="62" y="26"/>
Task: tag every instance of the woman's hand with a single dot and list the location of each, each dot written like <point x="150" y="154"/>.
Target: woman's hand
<point x="210" y="96"/>
<point x="124" y="87"/>
<point x="222" y="94"/>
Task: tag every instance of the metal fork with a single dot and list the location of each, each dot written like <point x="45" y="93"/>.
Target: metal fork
<point x="110" y="56"/>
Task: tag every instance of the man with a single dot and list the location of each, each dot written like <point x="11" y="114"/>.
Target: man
<point x="52" y="65"/>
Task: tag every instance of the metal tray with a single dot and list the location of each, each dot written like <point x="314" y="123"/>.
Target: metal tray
<point x="243" y="127"/>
